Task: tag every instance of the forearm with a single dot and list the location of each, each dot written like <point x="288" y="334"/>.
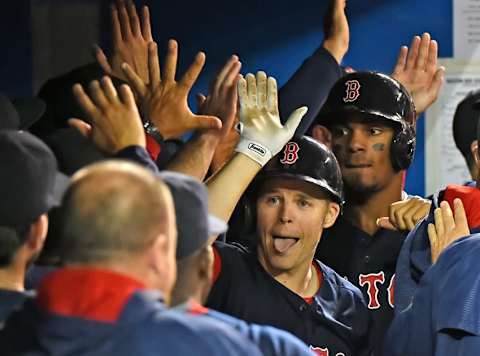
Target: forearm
<point x="195" y="156"/>
<point x="309" y="86"/>
<point x="227" y="186"/>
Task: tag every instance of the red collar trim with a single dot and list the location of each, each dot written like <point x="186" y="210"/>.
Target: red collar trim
<point x="86" y="293"/>
<point x="196" y="308"/>
<point x="470" y="197"/>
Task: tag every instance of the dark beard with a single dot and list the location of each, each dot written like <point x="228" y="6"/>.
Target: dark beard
<point x="358" y="194"/>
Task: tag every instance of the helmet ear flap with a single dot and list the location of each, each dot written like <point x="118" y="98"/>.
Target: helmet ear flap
<point x="403" y="148"/>
<point x="243" y="220"/>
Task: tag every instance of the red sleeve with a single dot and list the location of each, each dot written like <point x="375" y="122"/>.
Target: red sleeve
<point x="153" y="147"/>
<point x="217" y="264"/>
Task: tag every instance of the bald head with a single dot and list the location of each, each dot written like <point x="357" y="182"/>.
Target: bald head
<point x="114" y="209"/>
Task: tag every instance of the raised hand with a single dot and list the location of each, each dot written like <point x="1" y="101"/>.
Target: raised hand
<point x="262" y="135"/>
<point x="163" y="100"/>
<point x="404" y="214"/>
<point x="448" y="227"/>
<point x="131" y="37"/>
<point x="113" y="119"/>
<point x="417" y="70"/>
<point x="336" y="30"/>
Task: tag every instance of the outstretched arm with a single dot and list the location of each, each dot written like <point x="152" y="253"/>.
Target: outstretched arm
<point x="131" y="36"/>
<point x="262" y="137"/>
<point x="417" y="70"/>
<point x="311" y="83"/>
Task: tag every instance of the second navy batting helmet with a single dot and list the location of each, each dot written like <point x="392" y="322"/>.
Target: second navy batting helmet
<point x="381" y="97"/>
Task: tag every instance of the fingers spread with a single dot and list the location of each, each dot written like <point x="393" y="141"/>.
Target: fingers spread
<point x="272" y="96"/>
<point x="101" y="59"/>
<point x="193" y="71"/>
<point x="154" y="65"/>
<point x="84" y="101"/>
<point x="133" y="17"/>
<point x="262" y="89"/>
<point x="146" y="26"/>
<point x="134" y="80"/>
<point x="251" y="89"/>
<point x="413" y="52"/>
<point x="109" y="89"/>
<point x="170" y="66"/>
<point x="423" y="51"/>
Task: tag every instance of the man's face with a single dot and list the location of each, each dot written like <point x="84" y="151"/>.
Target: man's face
<point x="291" y="215"/>
<point x="362" y="148"/>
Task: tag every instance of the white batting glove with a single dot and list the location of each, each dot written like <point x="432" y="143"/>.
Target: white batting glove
<point x="262" y="135"/>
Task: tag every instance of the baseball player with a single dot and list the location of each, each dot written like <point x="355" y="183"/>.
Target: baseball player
<point x="371" y="118"/>
<point x="442" y="319"/>
<point x="293" y="198"/>
<point x="419" y="251"/>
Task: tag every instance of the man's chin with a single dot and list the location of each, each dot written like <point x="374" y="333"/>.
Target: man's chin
<point x="358" y="192"/>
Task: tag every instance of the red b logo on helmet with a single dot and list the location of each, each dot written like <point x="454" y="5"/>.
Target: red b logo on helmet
<point x="352" y="91"/>
<point x="290" y="153"/>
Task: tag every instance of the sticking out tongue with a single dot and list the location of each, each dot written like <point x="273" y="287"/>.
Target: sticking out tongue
<point x="281" y="245"/>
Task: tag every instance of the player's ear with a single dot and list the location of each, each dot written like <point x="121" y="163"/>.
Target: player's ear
<point x="322" y="135"/>
<point x="475" y="153"/>
<point x="333" y="210"/>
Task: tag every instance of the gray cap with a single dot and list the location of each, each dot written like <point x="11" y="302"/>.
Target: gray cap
<point x="194" y="224"/>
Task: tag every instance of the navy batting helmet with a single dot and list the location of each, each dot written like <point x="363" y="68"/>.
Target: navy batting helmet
<point x="379" y="96"/>
<point x="308" y="160"/>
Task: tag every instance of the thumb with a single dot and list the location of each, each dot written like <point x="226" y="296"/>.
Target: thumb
<point x="294" y="120"/>
<point x="384" y="222"/>
<point x="200" y="101"/>
<point x="204" y="122"/>
<point x="101" y="59"/>
<point x="81" y="126"/>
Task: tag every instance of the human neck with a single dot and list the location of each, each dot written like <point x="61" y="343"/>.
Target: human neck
<point x="12" y="278"/>
<point x="365" y="216"/>
<point x="301" y="280"/>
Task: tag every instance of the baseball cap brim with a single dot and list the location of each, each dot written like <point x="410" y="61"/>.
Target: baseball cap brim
<point x="59" y="188"/>
<point x="216" y="226"/>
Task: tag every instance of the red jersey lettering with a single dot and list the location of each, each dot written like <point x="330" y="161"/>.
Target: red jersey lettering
<point x="391" y="289"/>
<point x="371" y="280"/>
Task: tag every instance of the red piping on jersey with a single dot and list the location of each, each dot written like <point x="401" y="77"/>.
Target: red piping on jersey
<point x="196" y="308"/>
<point x="217" y="264"/>
<point x="86" y="293"/>
<point x="470" y="197"/>
<point x="153" y="147"/>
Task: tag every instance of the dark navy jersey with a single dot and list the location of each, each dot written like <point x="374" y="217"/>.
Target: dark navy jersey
<point x="369" y="263"/>
<point x="415" y="258"/>
<point x="11" y="301"/>
<point x="336" y="322"/>
<point x="271" y="341"/>
<point x="98" y="312"/>
<point x="443" y="318"/>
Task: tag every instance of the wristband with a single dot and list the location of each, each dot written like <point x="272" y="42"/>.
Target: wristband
<point x="254" y="150"/>
<point x="152" y="130"/>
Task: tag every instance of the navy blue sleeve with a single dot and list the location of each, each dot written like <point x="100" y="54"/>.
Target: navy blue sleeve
<point x="443" y="317"/>
<point x="309" y="86"/>
<point x="271" y="341"/>
<point x="139" y="155"/>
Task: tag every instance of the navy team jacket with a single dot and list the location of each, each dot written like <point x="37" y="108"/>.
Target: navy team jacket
<point x="443" y="318"/>
<point x="414" y="258"/>
<point x="84" y="312"/>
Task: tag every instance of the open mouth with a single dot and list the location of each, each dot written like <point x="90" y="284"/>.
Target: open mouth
<point x="282" y="244"/>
